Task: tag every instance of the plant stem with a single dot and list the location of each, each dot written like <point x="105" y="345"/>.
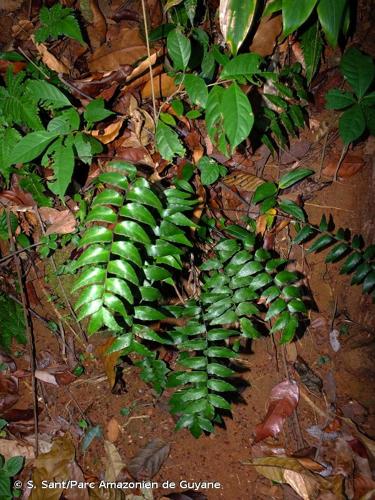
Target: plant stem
<point x="29" y="333"/>
<point x="149" y="58"/>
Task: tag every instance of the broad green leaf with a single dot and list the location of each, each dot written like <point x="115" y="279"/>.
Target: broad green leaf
<point x="297" y="306"/>
<point x="262" y="255"/>
<point x="271" y="293"/>
<point x="156" y="273"/>
<point x="124" y="270"/>
<point x="168" y="119"/>
<point x="265" y="190"/>
<point x="63" y="166"/>
<point x="67" y="121"/>
<point x="96" y="234"/>
<point x="358" y="69"/>
<point x="351" y="263"/>
<point x="210" y="170"/>
<point x="214" y="116"/>
<point x="168" y="143"/>
<point x="289" y="329"/>
<point x="337" y="252"/>
<point x="273" y="264"/>
<point x="133" y="231"/>
<point x="34" y="184"/>
<point x="89" y="277"/>
<point x="179" y="49"/>
<point x="32" y="145"/>
<point x="248" y="330"/>
<point x="119" y="287"/>
<point x="369" y="99"/>
<point x="102" y="214"/>
<point x="197" y="90"/>
<point x="285" y="277"/>
<point x="9" y="138"/>
<point x="219" y="402"/>
<point x="339" y="99"/>
<point x="294" y="176"/>
<point x="108" y="197"/>
<point x="290" y="207"/>
<point x="369" y="282"/>
<point x="127" y="251"/>
<point x="331" y="13"/>
<point x="322" y="242"/>
<point x="219" y="370"/>
<point x="236" y="17"/>
<point x="95" y="254"/>
<point x="312" y="45"/>
<point x="96" y="112"/>
<point x="292" y="292"/>
<point x="240" y="66"/>
<point x="13" y="466"/>
<point x="121" y="343"/>
<point x="237" y="115"/>
<point x="360" y="273"/>
<point x="89" y="308"/>
<point x="220" y="352"/>
<point x="352" y="124"/>
<point x="296" y="13"/>
<point x="220" y="385"/>
<point x="147" y="313"/>
<point x="139" y="213"/>
<point x="275" y="309"/>
<point x="260" y="280"/>
<point x="305" y="233"/>
<point x="144" y="195"/>
<point x="272" y="7"/>
<point x="49" y="94"/>
<point x="249" y="269"/>
<point x="83" y="147"/>
<point x="281" y="322"/>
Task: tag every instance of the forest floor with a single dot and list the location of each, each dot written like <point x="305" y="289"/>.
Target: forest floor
<point x="332" y="362"/>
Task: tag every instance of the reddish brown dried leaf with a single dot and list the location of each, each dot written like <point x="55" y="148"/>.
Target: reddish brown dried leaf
<point x="283" y="400"/>
<point x="126" y="46"/>
<point x="351" y="165"/>
<point x="109" y="133"/>
<point x="97" y="30"/>
<point x="266" y="35"/>
<point x="58" y="221"/>
<point x="109" y="360"/>
<point x="148" y="460"/>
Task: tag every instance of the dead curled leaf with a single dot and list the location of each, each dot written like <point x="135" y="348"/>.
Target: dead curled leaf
<point x="97" y="30"/>
<point x="49" y="59"/>
<point x="109" y="360"/>
<point x="113" y="462"/>
<point x="266" y="35"/>
<point x="109" y="133"/>
<point x="283" y="400"/>
<point x="11" y="448"/>
<point x="164" y="86"/>
<point x="149" y="459"/>
<point x="125" y="46"/>
<point x="351" y="165"/>
<point x="58" y="221"/>
<point x="57" y="465"/>
<point x="304" y="482"/>
<point x="113" y="430"/>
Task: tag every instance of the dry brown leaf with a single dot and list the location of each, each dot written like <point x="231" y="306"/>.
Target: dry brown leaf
<point x="164" y="86"/>
<point x="109" y="133"/>
<point x="351" y="165"/>
<point x="113" y="462"/>
<point x="58" y="221"/>
<point x="125" y="46"/>
<point x="45" y="376"/>
<point x="149" y="459"/>
<point x="243" y="181"/>
<point x="143" y="66"/>
<point x="10" y="5"/>
<point x="283" y="400"/>
<point x="113" y="430"/>
<point x="57" y="465"/>
<point x="11" y="448"/>
<point x="291" y="471"/>
<point x="97" y="29"/>
<point x="49" y="59"/>
<point x="266" y="35"/>
<point x="109" y="360"/>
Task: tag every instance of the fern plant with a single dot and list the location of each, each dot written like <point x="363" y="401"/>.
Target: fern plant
<point x="360" y="262"/>
<point x="59" y="138"/>
<point x="57" y="21"/>
<point x="243" y="287"/>
<point x="125" y="265"/>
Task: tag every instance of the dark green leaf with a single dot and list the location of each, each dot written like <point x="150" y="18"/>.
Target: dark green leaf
<point x="358" y="69"/>
<point x="339" y="99"/>
<point x="296" y="13"/>
<point x="179" y="49"/>
<point x="331" y="13"/>
<point x="337" y="252"/>
<point x="352" y="124"/>
<point x="291" y="208"/>
<point x="294" y="176"/>
<point x="322" y="242"/>
<point x="264" y="191"/>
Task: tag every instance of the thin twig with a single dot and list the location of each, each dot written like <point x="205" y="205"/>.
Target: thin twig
<point x="149" y="58"/>
<point x="343" y="153"/>
<point x="33" y="63"/>
<point x="16" y="252"/>
<point x="29" y="333"/>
